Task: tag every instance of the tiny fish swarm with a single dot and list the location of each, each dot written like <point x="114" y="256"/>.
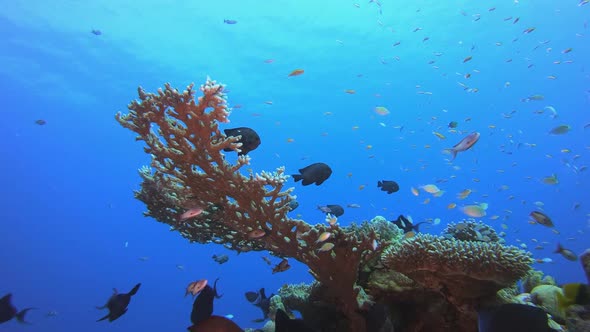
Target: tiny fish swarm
<point x="466" y="269"/>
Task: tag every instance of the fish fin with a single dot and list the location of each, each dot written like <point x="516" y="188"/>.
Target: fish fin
<point x="105" y="317"/>
<point x="297" y="177"/>
<point x="20" y="316"/>
<point x="559" y="248"/>
<point x="416" y="227"/>
<point x="135" y="289"/>
<point x="216" y="295"/>
<point x="379" y="184"/>
<point x="252" y="297"/>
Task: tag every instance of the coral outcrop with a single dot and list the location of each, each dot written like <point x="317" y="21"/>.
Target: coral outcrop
<point x="439" y="278"/>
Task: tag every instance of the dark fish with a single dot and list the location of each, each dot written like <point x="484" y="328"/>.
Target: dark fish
<point x="250" y="139"/>
<point x="315" y="173"/>
<point x="333" y="209"/>
<point x="202" y="314"/>
<point x="541" y="218"/>
<point x="260" y="300"/>
<point x="216" y="324"/>
<point x="96" y="32"/>
<point x="230" y="21"/>
<point x="389" y="186"/>
<point x="220" y="259"/>
<point x="8" y="311"/>
<point x="293" y="205"/>
<point x="406" y="225"/>
<point x="281" y="267"/>
<point x="513" y="317"/>
<point x="40" y="122"/>
<point x="453" y="124"/>
<point x="285" y="324"/>
<point x="566" y="253"/>
<point x="117" y="304"/>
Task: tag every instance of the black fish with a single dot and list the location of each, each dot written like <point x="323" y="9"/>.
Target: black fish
<point x="96" y="32"/>
<point x="260" y="300"/>
<point x="8" y="311"/>
<point x="389" y="186"/>
<point x="333" y="209"/>
<point x="202" y="314"/>
<point x="513" y="317"/>
<point x="226" y="21"/>
<point x="250" y="139"/>
<point x="318" y="173"/>
<point x="406" y="225"/>
<point x="285" y="324"/>
<point x="117" y="304"/>
<point x="220" y="259"/>
<point x="293" y="205"/>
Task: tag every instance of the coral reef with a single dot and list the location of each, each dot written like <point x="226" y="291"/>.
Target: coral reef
<point x="438" y="278"/>
<point x="188" y="170"/>
<point x="578" y="318"/>
<point x="535" y="278"/>
<point x="469" y="230"/>
<point x="545" y="296"/>
<point x="462" y="273"/>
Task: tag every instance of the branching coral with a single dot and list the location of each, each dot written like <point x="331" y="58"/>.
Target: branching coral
<point x="189" y="170"/>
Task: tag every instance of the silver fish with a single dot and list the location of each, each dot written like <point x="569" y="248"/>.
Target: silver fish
<point x="465" y="144"/>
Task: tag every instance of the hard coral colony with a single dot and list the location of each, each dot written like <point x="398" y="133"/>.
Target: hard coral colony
<point x="436" y="283"/>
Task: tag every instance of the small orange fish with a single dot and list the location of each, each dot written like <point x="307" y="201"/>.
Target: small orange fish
<point x="256" y="234"/>
<point x="350" y="91"/>
<point x="195" y="287"/>
<point x="191" y="213"/>
<point x="297" y="72"/>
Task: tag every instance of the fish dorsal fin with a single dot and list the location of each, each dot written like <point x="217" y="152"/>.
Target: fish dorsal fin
<point x="115" y="291"/>
<point x="6" y="298"/>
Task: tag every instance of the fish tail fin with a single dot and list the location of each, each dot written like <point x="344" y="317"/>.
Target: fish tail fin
<point x="105" y="317"/>
<point x="558" y="249"/>
<point x="20" y="316"/>
<point x="379" y="184"/>
<point x="416" y="227"/>
<point x="452" y="152"/>
<point x="297" y="177"/>
<point x="135" y="289"/>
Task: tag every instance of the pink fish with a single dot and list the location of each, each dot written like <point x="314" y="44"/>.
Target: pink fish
<point x="191" y="213"/>
<point x="465" y="144"/>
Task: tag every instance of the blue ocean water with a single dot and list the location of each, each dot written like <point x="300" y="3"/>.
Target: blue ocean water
<point x="70" y="229"/>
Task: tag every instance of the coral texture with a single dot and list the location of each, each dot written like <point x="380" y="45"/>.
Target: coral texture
<point x="188" y="170"/>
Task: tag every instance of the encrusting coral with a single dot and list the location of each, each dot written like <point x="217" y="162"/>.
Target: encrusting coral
<point x="248" y="212"/>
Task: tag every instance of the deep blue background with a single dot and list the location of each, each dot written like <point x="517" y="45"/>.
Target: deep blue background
<point x="67" y="208"/>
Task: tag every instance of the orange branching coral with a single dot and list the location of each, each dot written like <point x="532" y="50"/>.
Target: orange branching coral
<point x="462" y="269"/>
<point x="189" y="170"/>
